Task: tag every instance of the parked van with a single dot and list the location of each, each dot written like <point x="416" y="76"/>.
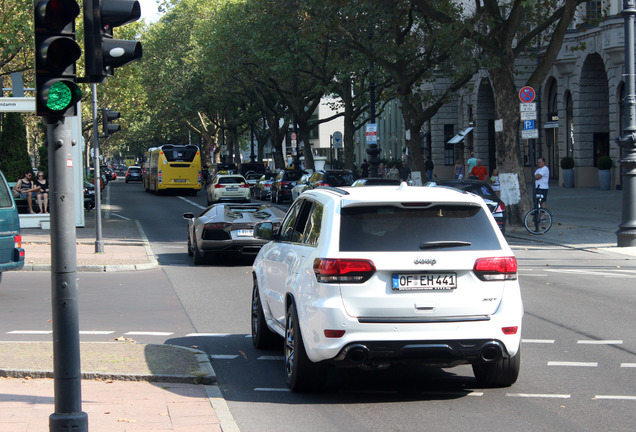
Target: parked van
<point x="11" y="251"/>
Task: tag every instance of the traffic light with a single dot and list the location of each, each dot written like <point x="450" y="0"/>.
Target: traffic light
<point x="107" y="117"/>
<point x="56" y="52"/>
<point x="102" y="52"/>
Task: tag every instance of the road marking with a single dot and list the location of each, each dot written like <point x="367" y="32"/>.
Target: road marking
<point x="577" y="364"/>
<point x="599" y="342"/>
<point x="120" y="216"/>
<point x="615" y="397"/>
<point x="452" y="393"/>
<point x="629" y="365"/>
<point x="148" y="333"/>
<point x="223" y="356"/>
<point x="208" y="334"/>
<point x="271" y="358"/>
<point x="538" y="341"/>
<point x="96" y="332"/>
<point x="272" y="389"/>
<point x="191" y="202"/>
<point x="539" y="395"/>
<point x="31" y="332"/>
<point x="617" y="274"/>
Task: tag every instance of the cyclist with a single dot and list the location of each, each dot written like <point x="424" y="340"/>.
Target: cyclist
<point x="541" y="180"/>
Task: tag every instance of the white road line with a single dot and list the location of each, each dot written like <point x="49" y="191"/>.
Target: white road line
<point x="208" y="334"/>
<point x="120" y="216"/>
<point x="31" y="332"/>
<point x="272" y="389"/>
<point x="617" y="274"/>
<point x="148" y="333"/>
<point x="577" y="364"/>
<point x="599" y="342"/>
<point x="191" y="202"/>
<point x="271" y="358"/>
<point x="96" y="332"/>
<point x="539" y="395"/>
<point x="615" y="397"/>
<point x="452" y="393"/>
<point x="538" y="341"/>
<point x="223" y="356"/>
<point x="628" y="365"/>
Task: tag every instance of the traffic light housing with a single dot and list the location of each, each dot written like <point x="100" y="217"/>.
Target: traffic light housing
<point x="107" y="127"/>
<point x="103" y="53"/>
<point x="56" y="52"/>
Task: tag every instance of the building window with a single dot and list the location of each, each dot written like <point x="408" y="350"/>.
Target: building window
<point x="449" y="149"/>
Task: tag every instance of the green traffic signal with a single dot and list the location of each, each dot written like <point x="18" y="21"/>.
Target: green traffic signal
<point x="62" y="95"/>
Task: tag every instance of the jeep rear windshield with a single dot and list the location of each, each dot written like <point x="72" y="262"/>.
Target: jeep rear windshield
<point x="395" y="229"/>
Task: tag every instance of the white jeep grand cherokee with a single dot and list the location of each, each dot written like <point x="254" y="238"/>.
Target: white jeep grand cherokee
<point x="379" y="275"/>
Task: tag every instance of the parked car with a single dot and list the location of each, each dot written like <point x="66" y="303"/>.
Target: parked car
<point x="300" y="187"/>
<point x="108" y="172"/>
<point x="263" y="188"/>
<point x="376" y="181"/>
<point x="133" y="174"/>
<point x="372" y="276"/>
<point x="282" y="185"/>
<point x="334" y="178"/>
<point x="11" y="251"/>
<point x="228" y="229"/>
<point x="228" y="187"/>
<point x="89" y="195"/>
<point x="484" y="190"/>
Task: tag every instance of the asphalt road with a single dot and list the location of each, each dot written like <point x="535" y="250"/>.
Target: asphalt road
<point x="579" y="348"/>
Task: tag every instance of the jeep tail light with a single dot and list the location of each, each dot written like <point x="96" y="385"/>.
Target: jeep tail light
<point x="496" y="269"/>
<point x="343" y="270"/>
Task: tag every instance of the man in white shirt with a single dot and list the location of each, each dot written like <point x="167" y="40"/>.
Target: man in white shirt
<point x="541" y="180"/>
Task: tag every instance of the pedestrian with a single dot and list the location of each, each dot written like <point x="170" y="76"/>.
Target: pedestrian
<point x="429" y="166"/>
<point x="541" y="180"/>
<point x="459" y="170"/>
<point x="381" y="171"/>
<point x="479" y="171"/>
<point x="405" y="172"/>
<point x="25" y="189"/>
<point x="471" y="163"/>
<point x="42" y="194"/>
<point x="394" y="173"/>
<point x="494" y="180"/>
<point x="364" y="169"/>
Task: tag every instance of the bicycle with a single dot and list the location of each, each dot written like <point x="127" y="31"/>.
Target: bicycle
<point x="538" y="220"/>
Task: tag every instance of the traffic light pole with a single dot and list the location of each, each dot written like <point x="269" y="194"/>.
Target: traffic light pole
<point x="68" y="415"/>
<point x="99" y="244"/>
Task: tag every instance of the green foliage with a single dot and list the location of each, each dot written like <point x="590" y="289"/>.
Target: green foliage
<point x="567" y="162"/>
<point x="14" y="157"/>
<point x="43" y="153"/>
<point x="604" y="163"/>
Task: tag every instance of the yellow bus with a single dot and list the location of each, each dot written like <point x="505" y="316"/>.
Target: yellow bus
<point x="129" y="160"/>
<point x="172" y="167"/>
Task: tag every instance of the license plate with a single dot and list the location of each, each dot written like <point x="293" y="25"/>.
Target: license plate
<point x="424" y="281"/>
<point x="180" y="180"/>
<point x="231" y="189"/>
<point x="245" y="233"/>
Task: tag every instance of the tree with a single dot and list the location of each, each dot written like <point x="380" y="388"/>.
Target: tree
<point x="14" y="157"/>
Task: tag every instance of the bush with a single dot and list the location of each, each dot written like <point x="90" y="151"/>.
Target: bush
<point x="567" y="162"/>
<point x="604" y="163"/>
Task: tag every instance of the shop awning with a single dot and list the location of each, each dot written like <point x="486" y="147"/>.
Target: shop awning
<point x="460" y="136"/>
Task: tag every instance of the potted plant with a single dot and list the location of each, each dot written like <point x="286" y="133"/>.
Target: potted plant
<point x="567" y="167"/>
<point x="604" y="164"/>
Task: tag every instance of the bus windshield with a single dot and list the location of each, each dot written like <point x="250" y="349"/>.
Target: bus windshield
<point x="180" y="153"/>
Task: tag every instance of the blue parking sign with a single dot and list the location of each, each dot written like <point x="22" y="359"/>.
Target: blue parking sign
<point x="528" y="124"/>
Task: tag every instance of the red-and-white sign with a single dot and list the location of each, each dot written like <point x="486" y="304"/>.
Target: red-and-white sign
<point x="526" y="94"/>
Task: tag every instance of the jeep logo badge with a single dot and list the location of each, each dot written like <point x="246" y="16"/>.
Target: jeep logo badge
<point x="419" y="260"/>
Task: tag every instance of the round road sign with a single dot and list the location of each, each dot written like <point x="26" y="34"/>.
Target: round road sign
<point x="526" y="94"/>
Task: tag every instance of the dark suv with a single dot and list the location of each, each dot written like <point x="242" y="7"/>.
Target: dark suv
<point x="283" y="183"/>
<point x="335" y="178"/>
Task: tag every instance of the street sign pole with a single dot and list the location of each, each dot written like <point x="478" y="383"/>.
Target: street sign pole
<point x="68" y="413"/>
<point x="99" y="244"/>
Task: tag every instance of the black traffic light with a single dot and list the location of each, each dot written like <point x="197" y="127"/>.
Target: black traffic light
<point x="102" y="52"/>
<point x="107" y="127"/>
<point x="56" y="52"/>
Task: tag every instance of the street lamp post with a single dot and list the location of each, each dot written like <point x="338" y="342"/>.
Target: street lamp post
<point x="626" y="234"/>
<point x="373" y="151"/>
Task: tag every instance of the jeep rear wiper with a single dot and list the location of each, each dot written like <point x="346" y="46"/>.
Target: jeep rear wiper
<point x="444" y="244"/>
